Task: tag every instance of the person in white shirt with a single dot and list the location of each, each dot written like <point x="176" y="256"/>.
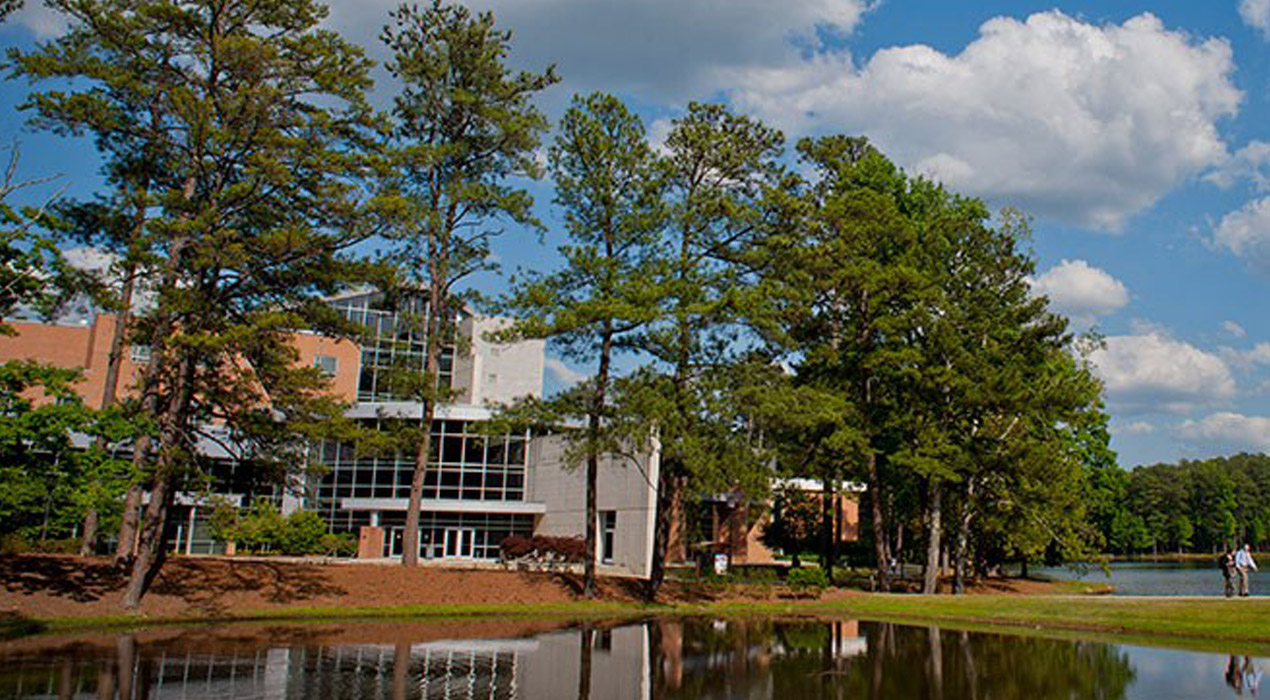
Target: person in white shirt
<point x="1243" y="562"/>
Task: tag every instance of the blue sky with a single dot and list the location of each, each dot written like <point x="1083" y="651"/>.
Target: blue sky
<point x="1136" y="133"/>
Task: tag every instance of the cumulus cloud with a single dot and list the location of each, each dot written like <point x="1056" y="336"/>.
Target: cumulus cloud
<point x="1246" y="233"/>
<point x="1140" y="427"/>
<point x="657" y="50"/>
<point x="1229" y="431"/>
<point x="1249" y="164"/>
<point x="1073" y="121"/>
<point x="38" y="19"/>
<point x="1256" y="14"/>
<point x="563" y="373"/>
<point x="1154" y="373"/>
<point x="1247" y="360"/>
<point x="1081" y="291"/>
<point x="1233" y="330"/>
<point x="90" y="258"/>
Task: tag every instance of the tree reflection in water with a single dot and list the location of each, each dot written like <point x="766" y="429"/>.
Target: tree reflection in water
<point x="664" y="658"/>
<point x="830" y="660"/>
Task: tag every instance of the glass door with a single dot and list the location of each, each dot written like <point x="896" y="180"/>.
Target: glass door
<point x="459" y="542"/>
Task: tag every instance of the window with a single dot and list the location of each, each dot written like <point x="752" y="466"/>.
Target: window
<point x="608" y="529"/>
<point x="140" y="354"/>
<point x="327" y="364"/>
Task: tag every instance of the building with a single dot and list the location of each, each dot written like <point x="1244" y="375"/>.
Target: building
<point x="481" y="487"/>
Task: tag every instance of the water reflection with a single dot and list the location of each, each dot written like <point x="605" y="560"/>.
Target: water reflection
<point x="698" y="659"/>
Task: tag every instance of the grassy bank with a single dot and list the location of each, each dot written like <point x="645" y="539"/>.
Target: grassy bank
<point x="1216" y="624"/>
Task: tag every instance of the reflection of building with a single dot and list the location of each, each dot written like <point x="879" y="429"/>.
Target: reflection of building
<point x="480" y="487"/>
<point x="545" y="667"/>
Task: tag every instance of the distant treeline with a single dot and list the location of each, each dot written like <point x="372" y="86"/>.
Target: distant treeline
<point x="1192" y="506"/>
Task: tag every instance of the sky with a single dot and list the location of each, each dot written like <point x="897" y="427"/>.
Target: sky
<point x="1137" y="134"/>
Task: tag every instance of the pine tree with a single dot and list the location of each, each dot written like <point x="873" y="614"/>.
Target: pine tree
<point x="608" y="188"/>
<point x="260" y="116"/>
<point x="718" y="168"/>
<point x="464" y="125"/>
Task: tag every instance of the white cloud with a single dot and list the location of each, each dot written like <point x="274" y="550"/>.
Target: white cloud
<point x="1246" y="233"/>
<point x="1154" y="373"/>
<point x="1229" y="431"/>
<point x="1136" y="428"/>
<point x="41" y="21"/>
<point x="1073" y="121"/>
<point x="90" y="259"/>
<point x="1256" y="14"/>
<point x="1250" y="163"/>
<point x="655" y="50"/>
<point x="1081" y="291"/>
<point x="1246" y="360"/>
<point x="563" y="373"/>
<point x="1233" y="330"/>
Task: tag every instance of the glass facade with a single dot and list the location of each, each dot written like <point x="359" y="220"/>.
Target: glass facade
<point x="467" y="465"/>
<point x="456" y="535"/>
<point x="392" y="348"/>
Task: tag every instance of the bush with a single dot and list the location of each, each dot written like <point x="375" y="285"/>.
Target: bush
<point x="341" y="545"/>
<point x="302" y="533"/>
<point x="14" y="543"/>
<point x="807" y="580"/>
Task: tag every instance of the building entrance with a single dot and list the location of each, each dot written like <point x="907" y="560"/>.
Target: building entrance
<point x="460" y="542"/>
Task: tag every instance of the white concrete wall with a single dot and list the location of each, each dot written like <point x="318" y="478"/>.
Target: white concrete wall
<point x="497" y="373"/>
<point x="625" y="486"/>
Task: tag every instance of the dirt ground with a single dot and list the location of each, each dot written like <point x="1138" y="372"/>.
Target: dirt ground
<point x="49" y="586"/>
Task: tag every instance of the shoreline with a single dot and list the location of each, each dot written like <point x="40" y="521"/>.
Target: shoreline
<point x="1192" y="623"/>
<point x="45" y="595"/>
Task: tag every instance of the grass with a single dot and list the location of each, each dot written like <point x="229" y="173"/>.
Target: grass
<point x="1214" y="623"/>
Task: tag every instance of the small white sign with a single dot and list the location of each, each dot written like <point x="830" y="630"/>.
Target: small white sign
<point x="720" y="564"/>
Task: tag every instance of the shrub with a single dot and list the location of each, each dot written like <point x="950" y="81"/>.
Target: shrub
<point x="515" y="547"/>
<point x="807" y="580"/>
<point x="14" y="543"/>
<point x="341" y="545"/>
<point x="302" y="533"/>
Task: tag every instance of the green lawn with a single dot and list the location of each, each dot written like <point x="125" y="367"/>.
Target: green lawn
<point x="1212" y="623"/>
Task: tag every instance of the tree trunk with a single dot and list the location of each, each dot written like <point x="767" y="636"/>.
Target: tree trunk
<point x="930" y="582"/>
<point x="826" y="526"/>
<point x="150" y="549"/>
<point x="880" y="548"/>
<point x="595" y="418"/>
<point x="433" y="327"/>
<point x="667" y="493"/>
<point x="962" y="544"/>
<point x="88" y="543"/>
<point x="126" y="545"/>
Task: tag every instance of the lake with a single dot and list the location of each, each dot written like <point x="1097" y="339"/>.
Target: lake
<point x="674" y="658"/>
<point x="1161" y="578"/>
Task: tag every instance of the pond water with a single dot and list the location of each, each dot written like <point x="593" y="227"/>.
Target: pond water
<point x="659" y="658"/>
<point x="1161" y="578"/>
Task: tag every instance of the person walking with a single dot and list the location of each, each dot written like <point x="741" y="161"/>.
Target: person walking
<point x="1243" y="562"/>
<point x="1227" y="564"/>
